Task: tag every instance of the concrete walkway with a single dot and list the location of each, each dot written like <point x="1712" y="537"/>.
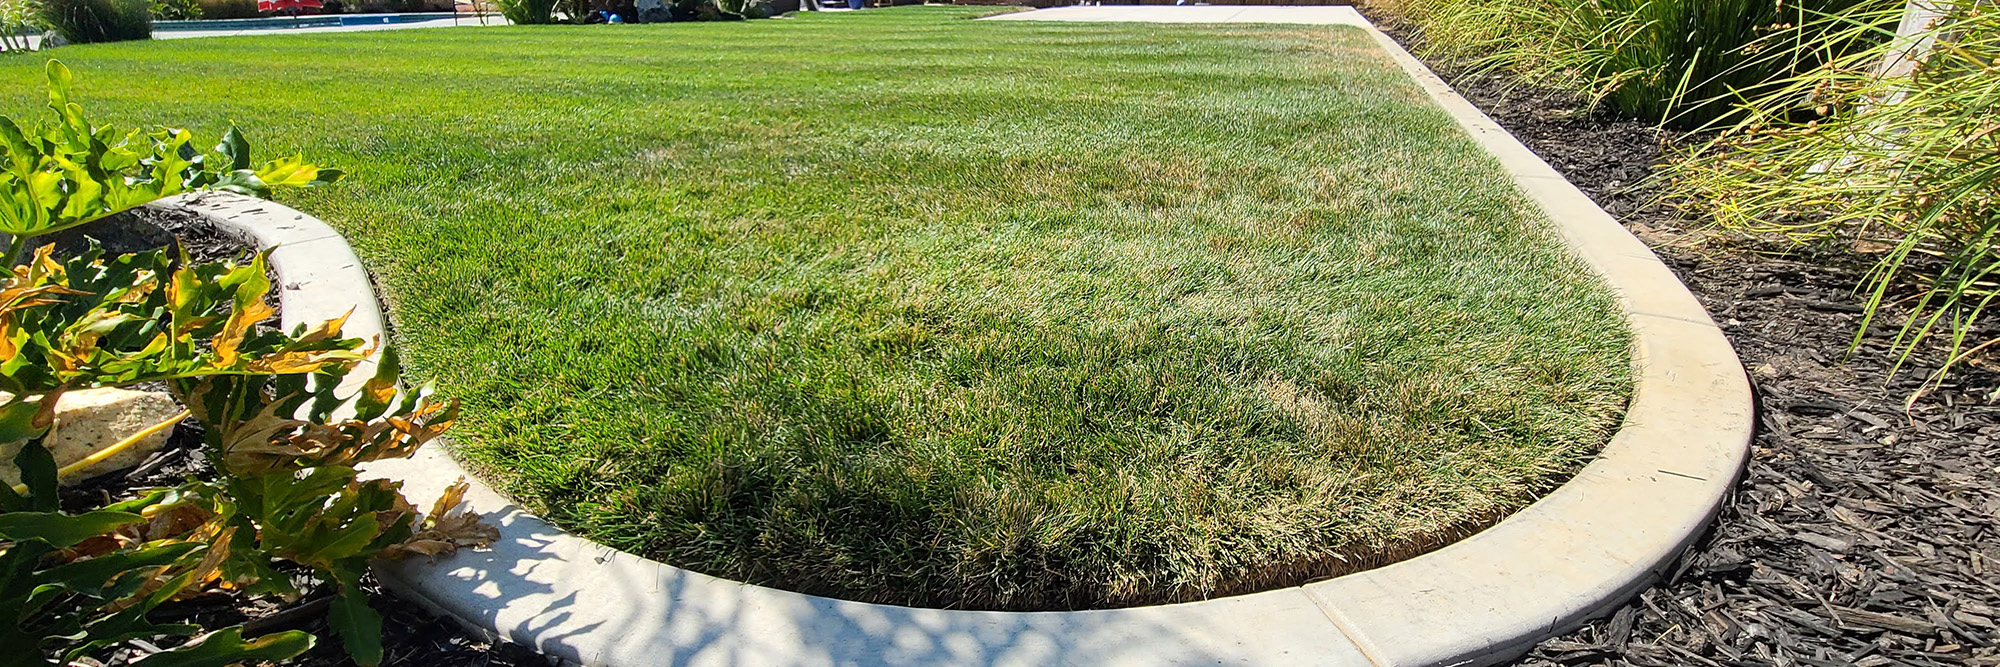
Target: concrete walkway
<point x="1193" y="14"/>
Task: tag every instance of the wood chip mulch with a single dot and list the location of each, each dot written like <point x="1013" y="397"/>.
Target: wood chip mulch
<point x="1863" y="530"/>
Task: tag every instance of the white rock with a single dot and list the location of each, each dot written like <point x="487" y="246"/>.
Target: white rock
<point x="88" y="420"/>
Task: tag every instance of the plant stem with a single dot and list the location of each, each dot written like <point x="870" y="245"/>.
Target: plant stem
<point x="103" y="454"/>
<point x="15" y="244"/>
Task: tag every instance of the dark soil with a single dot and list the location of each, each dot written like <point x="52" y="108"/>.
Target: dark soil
<point x="1863" y="531"/>
<point x="149" y="228"/>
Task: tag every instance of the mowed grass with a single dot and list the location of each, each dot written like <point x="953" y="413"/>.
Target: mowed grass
<point x="901" y="307"/>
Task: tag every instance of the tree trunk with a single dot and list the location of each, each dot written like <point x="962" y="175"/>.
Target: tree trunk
<point x="1917" y="35"/>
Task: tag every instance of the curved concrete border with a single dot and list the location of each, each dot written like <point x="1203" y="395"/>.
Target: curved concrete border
<point x="1583" y="549"/>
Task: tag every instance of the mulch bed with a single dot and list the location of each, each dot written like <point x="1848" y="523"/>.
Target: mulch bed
<point x="1862" y="532"/>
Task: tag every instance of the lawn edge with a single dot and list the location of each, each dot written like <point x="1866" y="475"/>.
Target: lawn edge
<point x="1579" y="551"/>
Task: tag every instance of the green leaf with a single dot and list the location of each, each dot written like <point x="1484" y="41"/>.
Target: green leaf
<point x="227" y="647"/>
<point x="380" y="391"/>
<point x="236" y="148"/>
<point x="103" y="635"/>
<point x="17" y="420"/>
<point x="93" y="575"/>
<point x="242" y="182"/>
<point x="17" y="578"/>
<point x="11" y="637"/>
<point x="19" y="155"/>
<point x="284" y="491"/>
<point x="11" y="501"/>
<point x="292" y="172"/>
<point x="60" y="80"/>
<point x="140" y="503"/>
<point x="38" y="473"/>
<point x="360" y="628"/>
<point x="63" y="530"/>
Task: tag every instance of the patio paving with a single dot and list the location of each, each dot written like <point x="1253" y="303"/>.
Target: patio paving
<point x="1341" y="15"/>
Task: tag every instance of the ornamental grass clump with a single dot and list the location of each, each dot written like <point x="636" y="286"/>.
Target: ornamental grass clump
<point x="1892" y="152"/>
<point x="1673" y="61"/>
<point x="285" y="499"/>
<point x="91" y="21"/>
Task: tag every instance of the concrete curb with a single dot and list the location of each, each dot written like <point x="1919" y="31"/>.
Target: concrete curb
<point x="1583" y="549"/>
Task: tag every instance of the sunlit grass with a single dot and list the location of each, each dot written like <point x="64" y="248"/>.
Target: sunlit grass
<point x="901" y="307"/>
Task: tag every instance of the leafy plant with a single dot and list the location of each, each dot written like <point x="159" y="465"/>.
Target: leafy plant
<point x="1904" y="166"/>
<point x="284" y="443"/>
<point x="528" y="12"/>
<point x="18" y="20"/>
<point x="753" y="9"/>
<point x="176" y="10"/>
<point x="287" y="490"/>
<point x="77" y="583"/>
<point x="69" y="172"/>
<point x="90" y="21"/>
<point x="71" y="584"/>
<point x="1679" y="61"/>
<point x="229" y="9"/>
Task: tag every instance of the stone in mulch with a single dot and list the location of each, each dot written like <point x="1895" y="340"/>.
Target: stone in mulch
<point x="1863" y="532"/>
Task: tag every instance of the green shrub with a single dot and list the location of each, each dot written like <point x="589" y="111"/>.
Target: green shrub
<point x="1903" y="167"/>
<point x="61" y="175"/>
<point x="176" y="10"/>
<point x="1679" y="61"/>
<point x="752" y="9"/>
<point x="285" y="492"/>
<point x="89" y="21"/>
<point x="73" y="592"/>
<point x="18" y="19"/>
<point x="528" y="12"/>
<point x="398" y="6"/>
<point x="228" y="9"/>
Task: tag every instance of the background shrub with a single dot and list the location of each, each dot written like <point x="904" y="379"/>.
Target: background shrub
<point x="176" y="10"/>
<point x="395" y="6"/>
<point x="526" y="12"/>
<point x="1679" y="61"/>
<point x="228" y="9"/>
<point x="18" y="19"/>
<point x="87" y="21"/>
<point x="1902" y="166"/>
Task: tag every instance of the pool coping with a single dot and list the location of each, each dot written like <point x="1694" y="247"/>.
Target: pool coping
<point x="280" y="23"/>
<point x="1576" y="553"/>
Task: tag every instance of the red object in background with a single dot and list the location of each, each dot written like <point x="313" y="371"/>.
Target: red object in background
<point x="290" y="6"/>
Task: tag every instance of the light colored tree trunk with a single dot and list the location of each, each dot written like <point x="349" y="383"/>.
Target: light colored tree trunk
<point x="1918" y="35"/>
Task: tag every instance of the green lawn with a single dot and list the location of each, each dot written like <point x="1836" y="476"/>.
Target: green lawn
<point x="902" y="307"/>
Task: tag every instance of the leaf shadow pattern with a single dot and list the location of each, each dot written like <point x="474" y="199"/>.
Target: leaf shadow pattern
<point x="585" y="603"/>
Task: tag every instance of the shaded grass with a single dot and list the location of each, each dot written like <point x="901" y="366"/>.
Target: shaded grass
<point x="899" y="307"/>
